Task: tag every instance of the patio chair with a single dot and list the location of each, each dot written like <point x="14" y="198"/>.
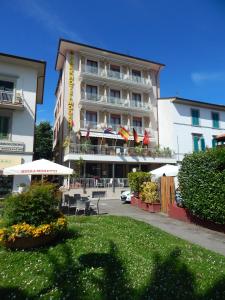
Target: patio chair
<point x="65" y="202"/>
<point x="77" y="196"/>
<point x="72" y="203"/>
<point x="110" y="183"/>
<point x="120" y="182"/>
<point x="80" y="206"/>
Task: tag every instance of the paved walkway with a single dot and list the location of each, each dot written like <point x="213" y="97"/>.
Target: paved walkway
<point x="206" y="238"/>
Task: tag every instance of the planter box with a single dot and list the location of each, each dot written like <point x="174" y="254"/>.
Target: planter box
<point x="134" y="201"/>
<point x="150" y="207"/>
<point x="29" y="242"/>
<point x="154" y="207"/>
<point x="182" y="214"/>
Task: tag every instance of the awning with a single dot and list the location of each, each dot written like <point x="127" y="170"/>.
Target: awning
<point x="220" y="137"/>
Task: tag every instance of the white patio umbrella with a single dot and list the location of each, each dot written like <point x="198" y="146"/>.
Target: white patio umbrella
<point x="168" y="170"/>
<point x="38" y="167"/>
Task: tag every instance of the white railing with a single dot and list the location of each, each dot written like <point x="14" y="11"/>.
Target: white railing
<point x="115" y="101"/>
<point x="98" y="182"/>
<point x="114" y="74"/>
<point x="116" y="150"/>
<point x="8" y="98"/>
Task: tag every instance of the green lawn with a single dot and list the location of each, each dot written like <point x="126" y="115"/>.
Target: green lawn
<point x="113" y="258"/>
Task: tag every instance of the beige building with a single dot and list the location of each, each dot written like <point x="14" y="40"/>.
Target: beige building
<point x="99" y="91"/>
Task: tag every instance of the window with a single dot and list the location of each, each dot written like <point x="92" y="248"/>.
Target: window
<point x="92" y="66"/>
<point x="4" y="127"/>
<point x="6" y="90"/>
<point x="136" y="99"/>
<point x="115" y="121"/>
<point x="91" y="117"/>
<point x="114" y="71"/>
<point x="195" y="117"/>
<point x="91" y="92"/>
<point x="136" y="75"/>
<point x="114" y="96"/>
<point x="198" y="143"/>
<point x="215" y="119"/>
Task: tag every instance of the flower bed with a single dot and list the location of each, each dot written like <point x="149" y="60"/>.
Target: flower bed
<point x="25" y="236"/>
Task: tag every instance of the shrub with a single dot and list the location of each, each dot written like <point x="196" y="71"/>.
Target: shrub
<point x="136" y="179"/>
<point x="202" y="184"/>
<point x="36" y="206"/>
<point x="149" y="192"/>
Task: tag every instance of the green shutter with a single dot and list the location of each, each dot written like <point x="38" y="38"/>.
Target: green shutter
<point x="195" y="117"/>
<point x="215" y="119"/>
<point x="195" y="140"/>
<point x="202" y="144"/>
<point x="214" y="144"/>
<point x="4" y="127"/>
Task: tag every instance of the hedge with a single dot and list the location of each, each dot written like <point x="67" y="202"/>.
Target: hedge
<point x="202" y="184"/>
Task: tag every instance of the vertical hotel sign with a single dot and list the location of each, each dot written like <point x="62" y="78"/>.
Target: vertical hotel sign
<point x="71" y="85"/>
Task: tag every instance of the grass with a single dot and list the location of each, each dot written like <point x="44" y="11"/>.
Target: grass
<point x="107" y="257"/>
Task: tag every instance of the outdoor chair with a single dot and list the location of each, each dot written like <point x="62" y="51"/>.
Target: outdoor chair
<point x="110" y="183"/>
<point x="80" y="206"/>
<point x="72" y="203"/>
<point x="120" y="182"/>
<point x="65" y="202"/>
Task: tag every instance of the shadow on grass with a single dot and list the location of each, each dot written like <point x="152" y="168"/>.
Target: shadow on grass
<point x="104" y="276"/>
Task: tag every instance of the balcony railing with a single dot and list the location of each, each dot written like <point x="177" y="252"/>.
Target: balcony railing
<point x="114" y="75"/>
<point x="89" y="124"/>
<point x="115" y="150"/>
<point x="98" y="182"/>
<point x="115" y="101"/>
<point x="7" y="97"/>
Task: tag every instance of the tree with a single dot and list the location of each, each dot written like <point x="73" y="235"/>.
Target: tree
<point x="43" y="140"/>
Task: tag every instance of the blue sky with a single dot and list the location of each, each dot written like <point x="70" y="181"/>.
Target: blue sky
<point x="186" y="35"/>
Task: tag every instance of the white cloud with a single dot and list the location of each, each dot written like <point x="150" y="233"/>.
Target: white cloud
<point x="202" y="77"/>
<point x="46" y="17"/>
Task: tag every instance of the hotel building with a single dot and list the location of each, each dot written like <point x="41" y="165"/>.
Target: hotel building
<point x="21" y="89"/>
<point x="98" y="92"/>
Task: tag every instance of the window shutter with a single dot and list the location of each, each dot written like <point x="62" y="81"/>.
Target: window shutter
<point x="195" y="117"/>
<point x="214" y="144"/>
<point x="202" y="144"/>
<point x="4" y="127"/>
<point x="195" y="139"/>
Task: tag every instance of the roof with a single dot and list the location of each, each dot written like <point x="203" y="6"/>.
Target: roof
<point x="65" y="45"/>
<point x="194" y="102"/>
<point x="39" y="65"/>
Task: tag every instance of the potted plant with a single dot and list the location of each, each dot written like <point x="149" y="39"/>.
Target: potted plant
<point x="21" y="187"/>
<point x="136" y="179"/>
<point x="150" y="197"/>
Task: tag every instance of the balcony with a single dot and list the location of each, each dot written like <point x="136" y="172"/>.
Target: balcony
<point x="116" y="76"/>
<point x="9" y="100"/>
<point x="88" y="149"/>
<point x="117" y="102"/>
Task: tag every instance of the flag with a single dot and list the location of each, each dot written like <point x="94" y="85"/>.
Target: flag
<point x="109" y="131"/>
<point x="136" y="137"/>
<point x="146" y="139"/>
<point x="88" y="132"/>
<point x="124" y="133"/>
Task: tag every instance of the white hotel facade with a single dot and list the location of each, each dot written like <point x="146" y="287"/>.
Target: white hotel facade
<point x="21" y="89"/>
<point x="99" y="89"/>
<point x="189" y="125"/>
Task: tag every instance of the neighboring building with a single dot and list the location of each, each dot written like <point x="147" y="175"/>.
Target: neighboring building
<point x="21" y="88"/>
<point x="102" y="90"/>
<point x="187" y="125"/>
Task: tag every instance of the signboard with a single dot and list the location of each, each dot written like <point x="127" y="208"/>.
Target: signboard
<point x="11" y="147"/>
<point x="71" y="85"/>
<point x="9" y="161"/>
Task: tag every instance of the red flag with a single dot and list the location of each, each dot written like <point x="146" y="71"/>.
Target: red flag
<point x="146" y="139"/>
<point x="136" y="138"/>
